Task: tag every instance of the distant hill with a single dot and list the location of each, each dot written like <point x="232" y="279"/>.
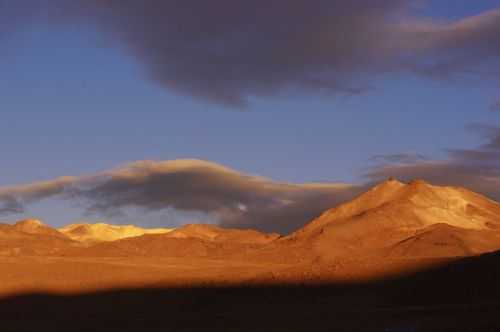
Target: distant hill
<point x="218" y="234"/>
<point x="187" y="241"/>
<point x="391" y="220"/>
<point x="100" y="232"/>
<point x="32" y="238"/>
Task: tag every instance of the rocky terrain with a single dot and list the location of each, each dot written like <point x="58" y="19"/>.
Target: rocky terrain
<point x="423" y="252"/>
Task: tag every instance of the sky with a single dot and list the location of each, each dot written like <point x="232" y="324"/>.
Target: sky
<point x="265" y="96"/>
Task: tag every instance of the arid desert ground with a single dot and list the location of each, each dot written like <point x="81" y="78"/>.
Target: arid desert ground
<point x="399" y="257"/>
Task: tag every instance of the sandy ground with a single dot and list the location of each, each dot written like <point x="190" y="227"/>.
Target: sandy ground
<point x="83" y="274"/>
<point x="167" y="294"/>
<point x="399" y="258"/>
<point x="59" y="274"/>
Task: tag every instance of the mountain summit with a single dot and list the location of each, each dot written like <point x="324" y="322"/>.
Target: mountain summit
<point x="36" y="227"/>
<point x="394" y="213"/>
<point x="101" y="232"/>
<point x="392" y="219"/>
<point x="217" y="234"/>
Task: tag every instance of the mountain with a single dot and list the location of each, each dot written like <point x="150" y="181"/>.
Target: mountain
<point x="218" y="234"/>
<point x="391" y="220"/>
<point x="100" y="232"/>
<point x="394" y="256"/>
<point x="188" y="241"/>
<point x="32" y="237"/>
<point x="36" y="227"/>
<point x="414" y="219"/>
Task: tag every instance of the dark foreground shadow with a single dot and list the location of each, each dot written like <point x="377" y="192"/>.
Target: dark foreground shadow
<point x="462" y="296"/>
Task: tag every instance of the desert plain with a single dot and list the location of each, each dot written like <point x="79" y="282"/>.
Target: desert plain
<point x="401" y="257"/>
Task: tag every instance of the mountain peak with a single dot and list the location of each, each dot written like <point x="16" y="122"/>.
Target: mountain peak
<point x="419" y="183"/>
<point x="202" y="231"/>
<point x="101" y="232"/>
<point x="30" y="222"/>
<point x="36" y="227"/>
<point x="389" y="184"/>
<point x="212" y="233"/>
<point x="392" y="180"/>
<point x="393" y="205"/>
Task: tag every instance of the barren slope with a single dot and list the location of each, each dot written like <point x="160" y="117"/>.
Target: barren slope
<point x="188" y="241"/>
<point x="395" y="214"/>
<point x="32" y="238"/>
<point x="218" y="234"/>
<point x="100" y="232"/>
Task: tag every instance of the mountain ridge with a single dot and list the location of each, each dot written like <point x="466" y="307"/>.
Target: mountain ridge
<point x="392" y="218"/>
<point x="102" y="232"/>
<point x="392" y="211"/>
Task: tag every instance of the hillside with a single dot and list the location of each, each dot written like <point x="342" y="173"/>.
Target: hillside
<point x="188" y="241"/>
<point x="32" y="238"/>
<point x="101" y="232"/>
<point x="415" y="219"/>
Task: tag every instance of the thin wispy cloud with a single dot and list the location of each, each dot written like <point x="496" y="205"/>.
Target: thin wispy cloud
<point x="477" y="169"/>
<point x="398" y="158"/>
<point x="495" y="107"/>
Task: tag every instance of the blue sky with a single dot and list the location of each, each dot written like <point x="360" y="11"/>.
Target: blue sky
<point x="74" y="103"/>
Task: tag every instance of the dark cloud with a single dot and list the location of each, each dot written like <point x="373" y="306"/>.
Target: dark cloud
<point x="9" y="205"/>
<point x="466" y="47"/>
<point x="398" y="158"/>
<point x="495" y="107"/>
<point x="290" y="217"/>
<point x="232" y="198"/>
<point x="490" y="133"/>
<point x="235" y="199"/>
<point x="477" y="169"/>
<point x="230" y="51"/>
<point x="14" y="198"/>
